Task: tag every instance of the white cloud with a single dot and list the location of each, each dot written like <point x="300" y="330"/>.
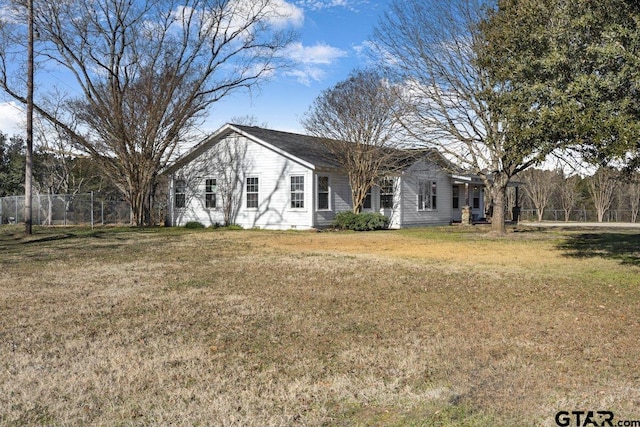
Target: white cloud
<point x="327" y="4"/>
<point x="277" y="13"/>
<point x="285" y="14"/>
<point x="364" y="48"/>
<point x="12" y="118"/>
<point x="310" y="61"/>
<point x="320" y="54"/>
<point x="306" y="75"/>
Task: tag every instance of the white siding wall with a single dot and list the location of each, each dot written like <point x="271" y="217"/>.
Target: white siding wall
<point x="339" y="198"/>
<point x="249" y="159"/>
<point x="410" y="215"/>
<point x="235" y="158"/>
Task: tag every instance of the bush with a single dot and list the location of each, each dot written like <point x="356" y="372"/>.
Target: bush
<point x="360" y="222"/>
<point x="344" y="220"/>
<point x="192" y="225"/>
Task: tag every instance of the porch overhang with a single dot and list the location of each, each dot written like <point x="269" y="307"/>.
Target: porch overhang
<point x="466" y="179"/>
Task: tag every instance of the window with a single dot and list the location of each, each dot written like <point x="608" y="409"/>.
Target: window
<point x="252" y="193"/>
<point x="386" y="192"/>
<point x="210" y="193"/>
<point x="367" y="200"/>
<point x="297" y="192"/>
<point x="180" y="193"/>
<point x="476" y="197"/>
<point x="427" y="195"/>
<point x="456" y="197"/>
<point x="323" y="193"/>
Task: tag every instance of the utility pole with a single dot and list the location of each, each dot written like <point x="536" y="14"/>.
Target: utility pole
<point x="28" y="173"/>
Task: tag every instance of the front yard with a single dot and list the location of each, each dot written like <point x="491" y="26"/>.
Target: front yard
<point x="435" y="326"/>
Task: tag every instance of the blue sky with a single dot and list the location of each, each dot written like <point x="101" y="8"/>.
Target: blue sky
<point x="332" y="36"/>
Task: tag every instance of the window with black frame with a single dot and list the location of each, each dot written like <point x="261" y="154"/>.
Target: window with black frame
<point x="387" y="186"/>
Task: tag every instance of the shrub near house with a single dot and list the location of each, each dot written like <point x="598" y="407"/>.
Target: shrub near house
<point x="366" y="221"/>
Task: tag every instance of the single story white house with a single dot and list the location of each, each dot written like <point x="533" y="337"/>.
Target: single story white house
<point x="261" y="178"/>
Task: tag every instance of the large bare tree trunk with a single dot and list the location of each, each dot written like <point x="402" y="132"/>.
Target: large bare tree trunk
<point x="498" y="191"/>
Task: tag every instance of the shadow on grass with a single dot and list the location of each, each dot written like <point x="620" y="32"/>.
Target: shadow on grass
<point x="624" y="247"/>
<point x="14" y="237"/>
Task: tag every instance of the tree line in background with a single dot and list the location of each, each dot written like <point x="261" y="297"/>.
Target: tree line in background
<point x="606" y="191"/>
<point x="542" y="191"/>
<point x="57" y="171"/>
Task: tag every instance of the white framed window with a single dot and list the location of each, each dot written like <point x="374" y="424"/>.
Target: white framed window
<point x="252" y="192"/>
<point x="366" y="204"/>
<point x="456" y="197"/>
<point x="427" y="195"/>
<point x="386" y="192"/>
<point x="323" y="193"/>
<point x="210" y="193"/>
<point x="180" y="193"/>
<point x="297" y="192"/>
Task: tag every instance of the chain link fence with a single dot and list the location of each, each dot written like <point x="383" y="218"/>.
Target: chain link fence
<point x="579" y="215"/>
<point x="69" y="209"/>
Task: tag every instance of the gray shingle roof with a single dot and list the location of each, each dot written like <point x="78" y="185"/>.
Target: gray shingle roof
<point x="305" y="147"/>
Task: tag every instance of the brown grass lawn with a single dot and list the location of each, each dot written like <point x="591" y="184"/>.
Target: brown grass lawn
<point x="433" y="327"/>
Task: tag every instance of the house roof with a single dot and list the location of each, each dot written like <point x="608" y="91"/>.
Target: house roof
<point x="306" y="149"/>
<point x="311" y="149"/>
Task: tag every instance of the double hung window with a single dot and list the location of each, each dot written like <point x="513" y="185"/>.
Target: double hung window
<point x="297" y="192"/>
<point x="386" y="192"/>
<point x="252" y="189"/>
<point x="456" y="197"/>
<point x="427" y="195"/>
<point x="366" y="204"/>
<point x="323" y="193"/>
<point x="180" y="196"/>
<point x="210" y="190"/>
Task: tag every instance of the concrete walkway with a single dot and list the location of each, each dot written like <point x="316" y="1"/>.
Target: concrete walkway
<point x="581" y="224"/>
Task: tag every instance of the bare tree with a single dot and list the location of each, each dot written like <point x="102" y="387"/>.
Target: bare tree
<point x="568" y="193"/>
<point x="59" y="170"/>
<point x="539" y="187"/>
<point x="357" y="120"/>
<point x="148" y="71"/>
<point x="57" y="159"/>
<point x="231" y="166"/>
<point x="602" y="186"/>
<point x="435" y="48"/>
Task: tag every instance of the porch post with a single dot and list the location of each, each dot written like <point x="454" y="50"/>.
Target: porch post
<point x="466" y="194"/>
<point x="466" y="209"/>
